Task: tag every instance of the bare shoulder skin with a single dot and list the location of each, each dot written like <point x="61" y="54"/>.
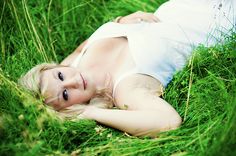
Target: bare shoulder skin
<point x="69" y="59"/>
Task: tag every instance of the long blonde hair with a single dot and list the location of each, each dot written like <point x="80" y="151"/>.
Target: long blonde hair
<point x="32" y="82"/>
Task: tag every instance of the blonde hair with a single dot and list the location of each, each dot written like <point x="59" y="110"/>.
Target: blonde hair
<point x="32" y="79"/>
<point x="32" y="82"/>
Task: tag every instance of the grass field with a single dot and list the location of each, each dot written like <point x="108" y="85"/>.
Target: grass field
<point x="32" y="32"/>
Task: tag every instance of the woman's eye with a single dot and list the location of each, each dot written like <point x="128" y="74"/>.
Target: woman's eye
<point x="60" y="76"/>
<point x="65" y="95"/>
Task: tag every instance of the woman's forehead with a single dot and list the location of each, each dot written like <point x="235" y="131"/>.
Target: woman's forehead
<point x="49" y="86"/>
<point x="50" y="76"/>
<point x="47" y="82"/>
<point x="50" y="83"/>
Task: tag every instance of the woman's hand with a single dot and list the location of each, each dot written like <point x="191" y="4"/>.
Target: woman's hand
<point x="87" y="112"/>
<point x="137" y="17"/>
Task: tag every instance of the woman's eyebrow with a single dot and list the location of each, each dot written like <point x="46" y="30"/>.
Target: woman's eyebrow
<point x="54" y="74"/>
<point x="58" y="97"/>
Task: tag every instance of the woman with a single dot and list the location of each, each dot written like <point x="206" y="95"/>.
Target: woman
<point x="127" y="63"/>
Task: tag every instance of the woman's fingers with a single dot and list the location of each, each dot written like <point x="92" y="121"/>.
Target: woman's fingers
<point x="155" y="19"/>
<point x="138" y="17"/>
<point x="148" y="17"/>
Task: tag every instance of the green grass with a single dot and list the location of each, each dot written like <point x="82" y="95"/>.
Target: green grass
<point x="32" y="32"/>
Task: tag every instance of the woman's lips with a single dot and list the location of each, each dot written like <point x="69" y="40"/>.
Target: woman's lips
<point x="84" y="82"/>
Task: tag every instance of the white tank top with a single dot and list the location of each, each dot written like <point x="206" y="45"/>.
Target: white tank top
<point x="161" y="49"/>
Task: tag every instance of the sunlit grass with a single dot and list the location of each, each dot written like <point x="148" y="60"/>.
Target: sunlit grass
<point x="32" y="32"/>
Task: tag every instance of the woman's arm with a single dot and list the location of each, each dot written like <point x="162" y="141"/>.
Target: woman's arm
<point x="135" y="122"/>
<point x="69" y="59"/>
<point x="146" y="113"/>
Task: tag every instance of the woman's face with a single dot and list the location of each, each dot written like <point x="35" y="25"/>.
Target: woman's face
<point x="65" y="86"/>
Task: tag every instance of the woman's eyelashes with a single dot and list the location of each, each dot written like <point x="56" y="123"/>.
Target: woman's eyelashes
<point x="65" y="92"/>
<point x="60" y="76"/>
<point x="65" y="95"/>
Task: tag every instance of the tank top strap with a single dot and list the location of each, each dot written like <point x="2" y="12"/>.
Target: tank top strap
<point x="122" y="77"/>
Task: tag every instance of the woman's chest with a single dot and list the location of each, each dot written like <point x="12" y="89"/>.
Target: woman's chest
<point x="109" y="55"/>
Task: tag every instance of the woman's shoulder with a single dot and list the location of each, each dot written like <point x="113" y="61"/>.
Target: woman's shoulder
<point x="134" y="87"/>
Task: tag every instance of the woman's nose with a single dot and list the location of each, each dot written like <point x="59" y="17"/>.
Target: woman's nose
<point x="71" y="83"/>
